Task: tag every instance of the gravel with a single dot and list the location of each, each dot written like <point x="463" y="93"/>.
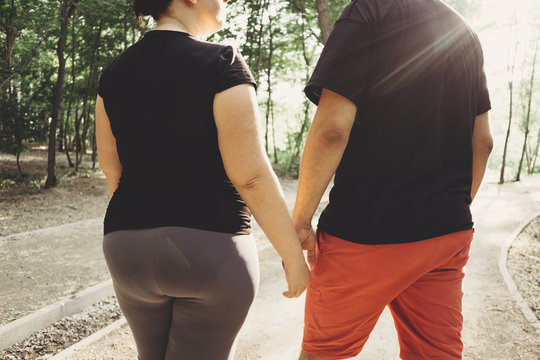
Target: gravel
<point x="49" y="341"/>
<point x="524" y="264"/>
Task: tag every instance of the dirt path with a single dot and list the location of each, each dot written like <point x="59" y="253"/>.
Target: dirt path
<point x="41" y="267"/>
<point x="494" y="326"/>
<point x="76" y="198"/>
<point x="50" y="242"/>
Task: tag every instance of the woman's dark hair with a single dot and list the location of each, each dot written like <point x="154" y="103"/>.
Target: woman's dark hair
<point x="151" y="7"/>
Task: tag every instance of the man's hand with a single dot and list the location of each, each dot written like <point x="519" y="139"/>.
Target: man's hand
<point x="308" y="239"/>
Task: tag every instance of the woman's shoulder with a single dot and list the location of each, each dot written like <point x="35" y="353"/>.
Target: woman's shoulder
<point x="220" y="52"/>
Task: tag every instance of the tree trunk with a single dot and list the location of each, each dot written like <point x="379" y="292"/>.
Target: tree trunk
<point x="273" y="132"/>
<point x="77" y="139"/>
<point x="11" y="36"/>
<point x="67" y="116"/>
<point x="300" y="137"/>
<point x="269" y="88"/>
<point x="66" y="149"/>
<point x="325" y="23"/>
<point x="66" y="11"/>
<point x="528" y="118"/>
<point x="94" y="146"/>
<point x="535" y="154"/>
<point x="64" y="120"/>
<point x="510" y="70"/>
<point x="19" y="149"/>
<point x="253" y="20"/>
<point x="511" y="90"/>
<point x="90" y="88"/>
<point x="305" y="123"/>
<point x="264" y="4"/>
<point x="84" y="135"/>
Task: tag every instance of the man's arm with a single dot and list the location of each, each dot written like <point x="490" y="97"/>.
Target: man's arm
<point x="482" y="146"/>
<point x="325" y="144"/>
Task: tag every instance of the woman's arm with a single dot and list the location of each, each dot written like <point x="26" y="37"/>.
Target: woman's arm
<point x="106" y="148"/>
<point x="248" y="168"/>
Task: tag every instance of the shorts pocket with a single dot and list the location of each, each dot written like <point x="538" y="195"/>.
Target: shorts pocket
<point x="313" y="294"/>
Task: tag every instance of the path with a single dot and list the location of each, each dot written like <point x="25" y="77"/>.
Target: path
<point x="41" y="267"/>
<point x="494" y="328"/>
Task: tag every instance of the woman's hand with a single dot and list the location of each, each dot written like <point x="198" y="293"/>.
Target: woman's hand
<point x="297" y="275"/>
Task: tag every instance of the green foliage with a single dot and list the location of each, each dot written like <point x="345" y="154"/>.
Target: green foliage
<point x="98" y="31"/>
<point x="24" y="183"/>
<point x="280" y="41"/>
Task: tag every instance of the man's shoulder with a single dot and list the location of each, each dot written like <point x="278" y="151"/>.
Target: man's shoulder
<point x="361" y="10"/>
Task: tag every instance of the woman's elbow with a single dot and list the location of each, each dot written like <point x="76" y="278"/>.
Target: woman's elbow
<point x="110" y="171"/>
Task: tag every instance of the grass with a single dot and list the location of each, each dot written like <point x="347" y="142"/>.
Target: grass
<point x="34" y="172"/>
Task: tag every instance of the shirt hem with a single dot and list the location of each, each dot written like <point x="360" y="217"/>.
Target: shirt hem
<point x="400" y="238"/>
<point x="113" y="228"/>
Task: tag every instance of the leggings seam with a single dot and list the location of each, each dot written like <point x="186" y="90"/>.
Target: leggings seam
<point x="154" y="263"/>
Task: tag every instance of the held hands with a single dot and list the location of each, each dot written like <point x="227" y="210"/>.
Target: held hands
<point x="296" y="271"/>
<point x="297" y="275"/>
<point x="308" y="239"/>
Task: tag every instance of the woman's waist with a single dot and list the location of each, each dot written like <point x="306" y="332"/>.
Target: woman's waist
<point x="224" y="213"/>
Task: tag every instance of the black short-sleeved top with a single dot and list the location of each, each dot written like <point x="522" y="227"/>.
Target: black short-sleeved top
<point x="415" y="71"/>
<point x="159" y="95"/>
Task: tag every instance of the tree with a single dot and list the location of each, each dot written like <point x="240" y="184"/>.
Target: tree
<point x="67" y="9"/>
<point x="325" y="23"/>
<point x="528" y="114"/>
<point x="511" y="65"/>
<point x="18" y="115"/>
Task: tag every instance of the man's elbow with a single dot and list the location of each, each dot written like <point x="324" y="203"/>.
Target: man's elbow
<point x="331" y="135"/>
<point x="489" y="144"/>
<point x="485" y="144"/>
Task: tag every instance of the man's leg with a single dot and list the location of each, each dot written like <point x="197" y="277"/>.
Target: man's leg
<point x="305" y="356"/>
<point x="344" y="298"/>
<point x="352" y="283"/>
<point x="428" y="313"/>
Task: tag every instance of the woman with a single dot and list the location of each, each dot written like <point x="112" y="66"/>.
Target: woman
<point x="179" y="142"/>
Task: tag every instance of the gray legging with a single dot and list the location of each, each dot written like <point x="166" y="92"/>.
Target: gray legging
<point x="184" y="292"/>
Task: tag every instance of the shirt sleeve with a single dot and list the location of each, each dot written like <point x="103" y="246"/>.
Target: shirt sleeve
<point x="483" y="102"/>
<point x="343" y="66"/>
<point x="234" y="71"/>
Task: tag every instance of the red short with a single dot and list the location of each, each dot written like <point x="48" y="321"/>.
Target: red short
<point x="420" y="282"/>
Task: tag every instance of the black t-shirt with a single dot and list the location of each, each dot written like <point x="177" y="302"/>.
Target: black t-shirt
<point x="159" y="95"/>
<point x="415" y="71"/>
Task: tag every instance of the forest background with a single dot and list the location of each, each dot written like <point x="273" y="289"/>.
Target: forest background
<point x="53" y="51"/>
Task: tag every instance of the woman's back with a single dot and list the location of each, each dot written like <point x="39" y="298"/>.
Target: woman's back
<point x="178" y="134"/>
<point x="159" y="96"/>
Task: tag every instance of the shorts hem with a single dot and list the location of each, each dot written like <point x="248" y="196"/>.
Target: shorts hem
<point x="408" y="356"/>
<point x="328" y="356"/>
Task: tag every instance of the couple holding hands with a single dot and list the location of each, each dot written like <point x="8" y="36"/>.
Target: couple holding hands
<point x="402" y="124"/>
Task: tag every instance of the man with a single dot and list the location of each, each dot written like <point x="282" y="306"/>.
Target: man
<point x="402" y="115"/>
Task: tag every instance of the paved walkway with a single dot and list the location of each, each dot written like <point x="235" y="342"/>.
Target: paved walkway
<point x="41" y="267"/>
<point x="494" y="326"/>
